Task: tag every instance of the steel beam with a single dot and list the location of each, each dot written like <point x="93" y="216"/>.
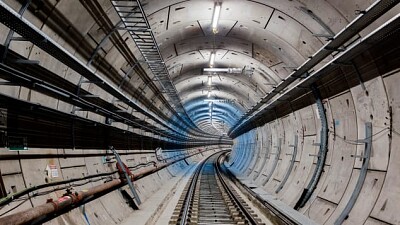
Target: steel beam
<point x="294" y="154"/>
<point x="323" y="149"/>
<point x="363" y="174"/>
<point x="277" y="154"/>
<point x="363" y="20"/>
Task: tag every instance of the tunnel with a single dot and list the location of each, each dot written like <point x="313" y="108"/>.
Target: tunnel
<point x="110" y="109"/>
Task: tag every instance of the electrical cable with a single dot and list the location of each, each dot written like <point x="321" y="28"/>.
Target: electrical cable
<point x="356" y="142"/>
<point x="396" y="132"/>
<point x="36" y="194"/>
<point x="4" y="213"/>
<point x="10" y="198"/>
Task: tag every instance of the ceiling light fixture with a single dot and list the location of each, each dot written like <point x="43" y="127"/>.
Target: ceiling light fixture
<point x="209" y="94"/>
<point x="212" y="59"/>
<point x="223" y="70"/>
<point x="209" y="82"/>
<point x="217" y="10"/>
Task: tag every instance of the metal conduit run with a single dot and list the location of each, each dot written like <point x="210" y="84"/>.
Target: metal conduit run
<point x="53" y="208"/>
<point x="323" y="149"/>
<point x="363" y="20"/>
<point x="44" y="87"/>
<point x="367" y="141"/>
<point x="20" y="25"/>
<point x="136" y="23"/>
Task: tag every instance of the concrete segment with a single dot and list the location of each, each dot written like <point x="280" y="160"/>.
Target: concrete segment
<point x="270" y="39"/>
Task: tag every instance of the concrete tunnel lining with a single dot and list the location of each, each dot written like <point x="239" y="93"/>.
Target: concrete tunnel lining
<point x="67" y="104"/>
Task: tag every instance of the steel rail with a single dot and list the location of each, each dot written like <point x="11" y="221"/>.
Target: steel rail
<point x="54" y="208"/>
<point x="283" y="219"/>
<point x="11" y="197"/>
<point x="186" y="210"/>
<point x="233" y="196"/>
<point x="190" y="193"/>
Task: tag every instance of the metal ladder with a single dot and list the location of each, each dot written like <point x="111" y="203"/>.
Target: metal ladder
<point x="135" y="22"/>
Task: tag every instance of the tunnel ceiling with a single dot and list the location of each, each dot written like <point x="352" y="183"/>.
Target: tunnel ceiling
<point x="259" y="43"/>
<point x="266" y="39"/>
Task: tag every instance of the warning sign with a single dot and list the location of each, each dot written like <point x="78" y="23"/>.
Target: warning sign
<point x="52" y="171"/>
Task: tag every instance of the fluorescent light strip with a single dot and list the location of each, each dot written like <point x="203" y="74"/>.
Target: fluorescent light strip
<point x="209" y="82"/>
<point x="223" y="70"/>
<point x="209" y="94"/>
<point x="212" y="59"/>
<point x="217" y="10"/>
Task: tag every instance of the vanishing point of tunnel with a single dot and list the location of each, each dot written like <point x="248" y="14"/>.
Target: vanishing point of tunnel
<point x="206" y="112"/>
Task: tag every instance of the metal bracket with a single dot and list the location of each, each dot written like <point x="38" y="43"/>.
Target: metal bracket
<point x="361" y="177"/>
<point x="19" y="39"/>
<point x="289" y="170"/>
<point x="267" y="149"/>
<point x="92" y="82"/>
<point x="359" y="156"/>
<point x="89" y="96"/>
<point x="275" y="161"/>
<point x="323" y="149"/>
<point x="359" y="76"/>
<point x="327" y="36"/>
<point x="334" y="49"/>
<point x="128" y="179"/>
<point x="7" y="83"/>
<point x="11" y="32"/>
<point x="26" y="61"/>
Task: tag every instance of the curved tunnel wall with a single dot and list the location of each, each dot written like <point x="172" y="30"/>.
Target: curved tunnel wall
<point x="255" y="154"/>
<point x="264" y="154"/>
<point x="25" y="172"/>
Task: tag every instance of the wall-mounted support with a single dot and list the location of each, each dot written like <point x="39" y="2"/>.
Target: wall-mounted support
<point x="363" y="173"/>
<point x="11" y="32"/>
<point x="294" y="146"/>
<point x="255" y="159"/>
<point x="278" y="152"/>
<point x="102" y="42"/>
<point x="359" y="76"/>
<point x="323" y="149"/>
<point x="3" y="192"/>
<point x="373" y="12"/>
<point x="135" y="22"/>
<point x="330" y="33"/>
<point x="247" y="149"/>
<point x="26" y="61"/>
<point x="267" y="149"/>
<point x="125" y="172"/>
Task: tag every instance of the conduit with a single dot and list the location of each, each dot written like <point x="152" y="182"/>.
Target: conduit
<point x="69" y="201"/>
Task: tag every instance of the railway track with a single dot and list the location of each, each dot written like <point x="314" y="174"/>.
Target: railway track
<point x="209" y="199"/>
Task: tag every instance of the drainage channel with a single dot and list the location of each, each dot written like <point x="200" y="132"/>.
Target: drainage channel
<point x="209" y="199"/>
